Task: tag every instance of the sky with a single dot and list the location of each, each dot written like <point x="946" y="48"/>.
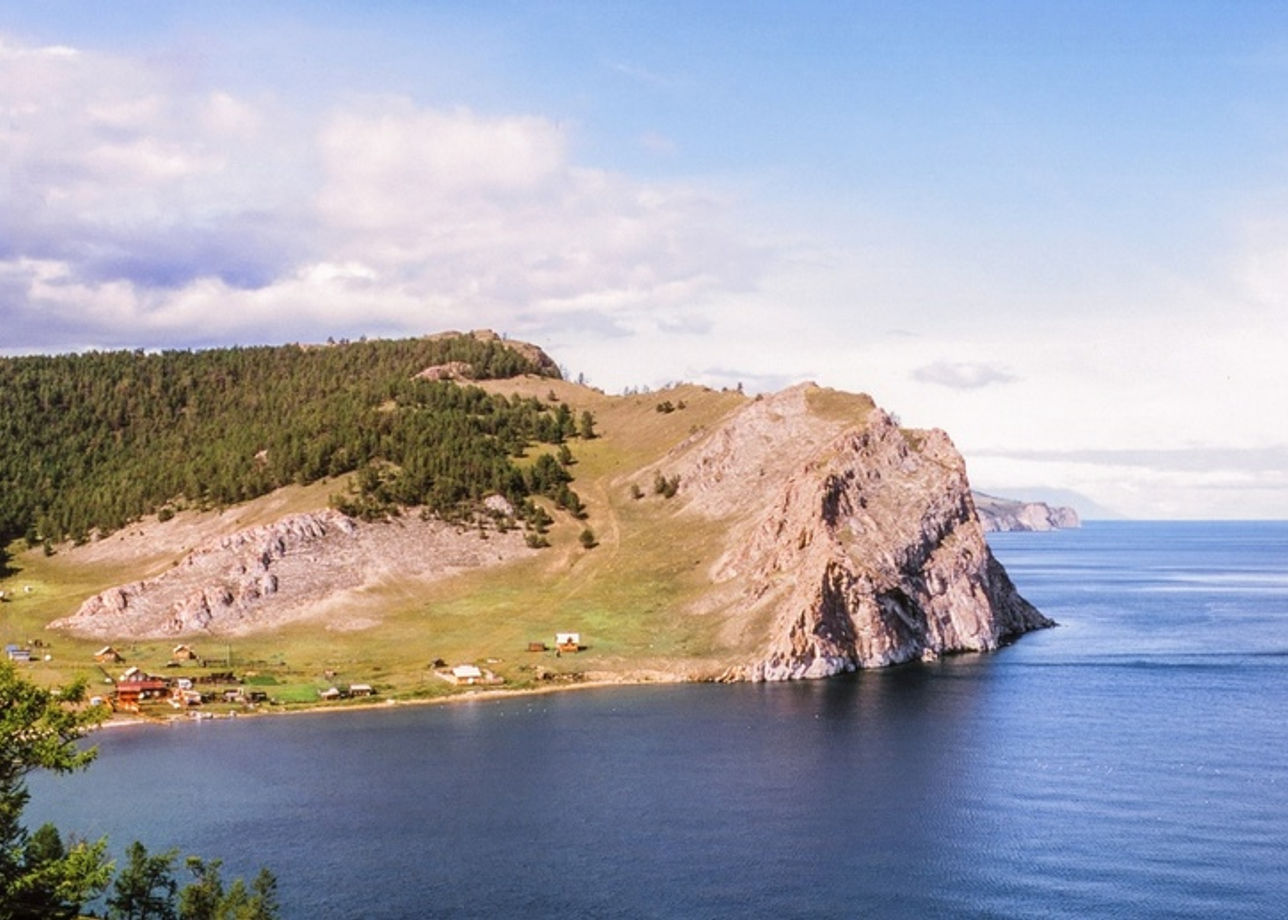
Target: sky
<point x="1058" y="230"/>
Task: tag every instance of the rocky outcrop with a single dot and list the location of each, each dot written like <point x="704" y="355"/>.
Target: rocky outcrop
<point x="865" y="552"/>
<point x="1004" y="514"/>
<point x="304" y="566"/>
<point x="544" y="364"/>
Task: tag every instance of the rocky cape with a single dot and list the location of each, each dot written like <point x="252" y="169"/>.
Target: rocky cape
<point x="844" y="542"/>
<point x="858" y="545"/>
<point x="1005" y="514"/>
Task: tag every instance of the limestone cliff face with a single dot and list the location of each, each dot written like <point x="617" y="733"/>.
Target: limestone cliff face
<point x="1004" y="514"/>
<point x="315" y="565"/>
<point x="867" y="552"/>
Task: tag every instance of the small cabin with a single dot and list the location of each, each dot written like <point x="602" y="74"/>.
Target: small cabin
<point x="538" y="647"/>
<point x="361" y="690"/>
<point x="186" y="696"/>
<point x="330" y="693"/>
<point x="108" y="655"/>
<point x="17" y="653"/>
<point x="466" y="674"/>
<point x="568" y="641"/>
<point x="183" y="653"/>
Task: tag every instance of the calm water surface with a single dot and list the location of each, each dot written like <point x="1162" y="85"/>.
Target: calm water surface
<point x="1132" y="763"/>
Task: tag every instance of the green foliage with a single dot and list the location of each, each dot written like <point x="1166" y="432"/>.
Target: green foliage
<point x="666" y="406"/>
<point x="43" y="877"/>
<point x="586" y="425"/>
<point x="91" y="442"/>
<point x="145" y="888"/>
<point x="39" y="875"/>
<point x="636" y="492"/>
<point x="587" y="538"/>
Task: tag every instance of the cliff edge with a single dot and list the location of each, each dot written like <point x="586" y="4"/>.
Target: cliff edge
<point x="1004" y="514"/>
<point x="863" y="548"/>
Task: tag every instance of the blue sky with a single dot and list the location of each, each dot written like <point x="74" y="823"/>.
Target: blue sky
<point x="1054" y="229"/>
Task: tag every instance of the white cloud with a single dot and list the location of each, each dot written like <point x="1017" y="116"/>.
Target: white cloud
<point x="155" y="207"/>
<point x="961" y="375"/>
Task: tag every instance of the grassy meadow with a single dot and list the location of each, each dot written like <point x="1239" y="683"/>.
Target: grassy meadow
<point x="629" y="596"/>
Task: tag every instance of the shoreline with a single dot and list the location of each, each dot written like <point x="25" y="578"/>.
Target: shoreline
<point x="451" y="699"/>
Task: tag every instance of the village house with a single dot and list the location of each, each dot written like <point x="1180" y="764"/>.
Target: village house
<point x="361" y="690"/>
<point x="17" y="653"/>
<point x="330" y="693"/>
<point x="108" y="655"/>
<point x="568" y="641"/>
<point x="469" y="675"/>
<point x="129" y="693"/>
<point x="183" y="653"/>
<point x="186" y="696"/>
<point x="466" y="674"/>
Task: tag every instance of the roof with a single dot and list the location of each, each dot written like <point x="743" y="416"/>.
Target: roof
<point x="145" y="683"/>
<point x="466" y="670"/>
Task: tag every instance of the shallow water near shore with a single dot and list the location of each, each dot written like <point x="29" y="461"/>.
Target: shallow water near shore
<point x="1132" y="762"/>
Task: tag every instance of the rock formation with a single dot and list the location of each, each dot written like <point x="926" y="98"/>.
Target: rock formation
<point x="303" y="566"/>
<point x="863" y="549"/>
<point x="1004" y="514"/>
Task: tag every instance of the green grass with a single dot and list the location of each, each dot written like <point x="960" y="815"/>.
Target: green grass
<point x="630" y="597"/>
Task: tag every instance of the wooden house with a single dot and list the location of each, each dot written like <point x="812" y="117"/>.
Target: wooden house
<point x="568" y="641"/>
<point x="108" y="655"/>
<point x="132" y="692"/>
<point x="330" y="693"/>
<point x="466" y="674"/>
<point x="537" y="647"/>
<point x="183" y="653"/>
<point x="361" y="690"/>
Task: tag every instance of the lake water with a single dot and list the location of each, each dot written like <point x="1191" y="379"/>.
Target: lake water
<point x="1131" y="763"/>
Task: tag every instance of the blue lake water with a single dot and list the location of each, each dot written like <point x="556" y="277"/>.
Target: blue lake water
<point x="1131" y="763"/>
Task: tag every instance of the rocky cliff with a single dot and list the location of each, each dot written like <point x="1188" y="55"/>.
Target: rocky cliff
<point x="314" y="565"/>
<point x="1004" y="514"/>
<point x="861" y="548"/>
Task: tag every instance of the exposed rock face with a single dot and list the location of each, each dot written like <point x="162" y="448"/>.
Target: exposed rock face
<point x="304" y="566"/>
<point x="866" y="553"/>
<point x="1004" y="514"/>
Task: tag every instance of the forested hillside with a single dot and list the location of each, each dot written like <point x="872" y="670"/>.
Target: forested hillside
<point x="92" y="441"/>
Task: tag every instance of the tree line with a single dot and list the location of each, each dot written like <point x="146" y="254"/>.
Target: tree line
<point x="91" y="442"/>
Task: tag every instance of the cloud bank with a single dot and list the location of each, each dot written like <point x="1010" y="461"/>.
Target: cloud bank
<point x="141" y="207"/>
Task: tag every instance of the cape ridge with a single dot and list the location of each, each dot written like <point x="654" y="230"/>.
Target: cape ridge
<point x="793" y="535"/>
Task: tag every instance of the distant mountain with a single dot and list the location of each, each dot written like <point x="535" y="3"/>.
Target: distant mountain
<point x="1005" y="514"/>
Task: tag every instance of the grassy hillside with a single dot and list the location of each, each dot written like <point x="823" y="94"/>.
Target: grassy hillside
<point x="90" y="442"/>
<point x="629" y="596"/>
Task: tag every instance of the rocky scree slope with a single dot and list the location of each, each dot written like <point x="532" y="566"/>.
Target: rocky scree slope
<point x="313" y="565"/>
<point x="857" y="542"/>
